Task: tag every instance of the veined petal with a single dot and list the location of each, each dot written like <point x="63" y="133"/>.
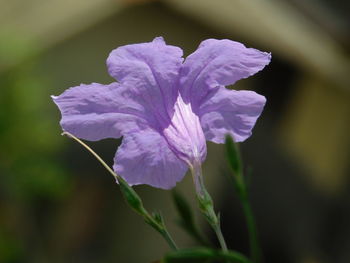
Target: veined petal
<point x="218" y="63"/>
<point x="149" y="71"/>
<point x="230" y="112"/>
<point x="145" y="158"/>
<point x="185" y="135"/>
<point x="95" y="111"/>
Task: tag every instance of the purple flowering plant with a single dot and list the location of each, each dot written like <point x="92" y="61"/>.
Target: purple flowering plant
<point x="165" y="108"/>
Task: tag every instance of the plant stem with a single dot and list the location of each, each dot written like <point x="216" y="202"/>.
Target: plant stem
<point x="242" y="190"/>
<point x="252" y="230"/>
<point x="235" y="161"/>
<point x="206" y="204"/>
<point x="132" y="198"/>
<point x="169" y="239"/>
<point x="221" y="238"/>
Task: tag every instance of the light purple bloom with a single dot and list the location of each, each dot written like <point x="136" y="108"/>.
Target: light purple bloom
<point x="166" y="108"/>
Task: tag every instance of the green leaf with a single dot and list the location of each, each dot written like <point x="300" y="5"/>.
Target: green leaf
<point x="200" y="255"/>
<point x="235" y="162"/>
<point x="157" y="216"/>
<point x="239" y="182"/>
<point x="233" y="155"/>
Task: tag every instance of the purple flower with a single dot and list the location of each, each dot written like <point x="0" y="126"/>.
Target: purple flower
<point x="166" y="108"/>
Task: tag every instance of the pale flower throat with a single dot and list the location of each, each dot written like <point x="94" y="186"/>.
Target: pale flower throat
<point x="185" y="135"/>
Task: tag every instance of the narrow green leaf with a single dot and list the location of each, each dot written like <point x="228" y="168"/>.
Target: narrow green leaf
<point x="158" y="217"/>
<point x="200" y="255"/>
<point x="239" y="182"/>
<point x="233" y="155"/>
<point x="235" y="163"/>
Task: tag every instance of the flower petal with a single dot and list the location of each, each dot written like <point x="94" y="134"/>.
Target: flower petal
<point x="95" y="111"/>
<point x="145" y="158"/>
<point x="216" y="63"/>
<point x="230" y="112"/>
<point x="184" y="134"/>
<point x="149" y="71"/>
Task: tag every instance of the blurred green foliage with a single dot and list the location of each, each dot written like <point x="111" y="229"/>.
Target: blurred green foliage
<point x="14" y="47"/>
<point x="28" y="137"/>
<point x="186" y="218"/>
<point x="30" y="170"/>
<point x="10" y="249"/>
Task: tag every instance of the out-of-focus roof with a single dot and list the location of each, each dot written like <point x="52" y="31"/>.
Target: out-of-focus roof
<point x="279" y="27"/>
<point x="275" y="24"/>
<point x="31" y="25"/>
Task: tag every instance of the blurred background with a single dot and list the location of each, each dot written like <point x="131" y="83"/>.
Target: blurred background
<point x="57" y="204"/>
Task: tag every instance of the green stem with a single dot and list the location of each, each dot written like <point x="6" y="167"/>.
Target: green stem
<point x="255" y="250"/>
<point x="221" y="238"/>
<point x="206" y="204"/>
<point x="131" y="197"/>
<point x="252" y="230"/>
<point x="235" y="161"/>
<point x="169" y="239"/>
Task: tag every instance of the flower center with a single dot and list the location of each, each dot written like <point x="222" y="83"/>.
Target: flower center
<point x="185" y="135"/>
